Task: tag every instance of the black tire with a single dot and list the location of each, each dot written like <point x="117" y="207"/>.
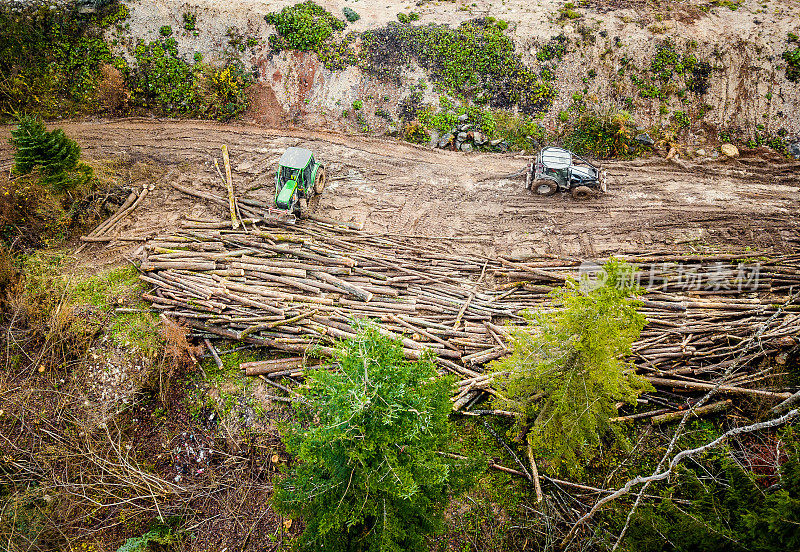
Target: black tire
<point x="320" y="180"/>
<point x="544" y="187"/>
<point x="302" y="208"/>
<point x="582" y="192"/>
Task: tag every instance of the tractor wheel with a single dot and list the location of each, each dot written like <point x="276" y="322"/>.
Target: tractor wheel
<point x="582" y="192"/>
<point x="320" y="180"/>
<point x="302" y="208"/>
<point x="544" y="187"/>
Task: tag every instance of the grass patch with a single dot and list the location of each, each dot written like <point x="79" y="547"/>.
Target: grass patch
<point x="108" y="290"/>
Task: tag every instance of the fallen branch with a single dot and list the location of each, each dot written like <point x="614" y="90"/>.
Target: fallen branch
<point x="712" y="408"/>
<point x="658" y="476"/>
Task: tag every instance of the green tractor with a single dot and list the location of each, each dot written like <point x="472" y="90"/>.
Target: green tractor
<point x="298" y="180"/>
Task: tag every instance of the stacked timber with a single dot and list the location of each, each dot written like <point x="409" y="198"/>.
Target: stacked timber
<point x="297" y="289"/>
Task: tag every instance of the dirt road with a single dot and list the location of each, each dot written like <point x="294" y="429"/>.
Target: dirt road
<point x="396" y="187"/>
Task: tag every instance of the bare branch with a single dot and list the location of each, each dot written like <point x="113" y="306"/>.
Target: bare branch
<point x="674" y="462"/>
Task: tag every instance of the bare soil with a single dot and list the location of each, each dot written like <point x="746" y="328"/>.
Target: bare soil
<point x="392" y="186"/>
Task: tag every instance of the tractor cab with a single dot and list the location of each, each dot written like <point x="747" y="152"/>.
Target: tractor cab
<point x="299" y="178"/>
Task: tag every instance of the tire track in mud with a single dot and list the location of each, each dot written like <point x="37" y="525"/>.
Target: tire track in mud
<point x="397" y="187"/>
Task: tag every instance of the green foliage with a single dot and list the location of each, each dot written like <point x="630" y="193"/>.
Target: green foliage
<point x="165" y="31"/>
<point x="792" y="59"/>
<point x="732" y="5"/>
<point x="350" y="14"/>
<point x="565" y="375"/>
<point x="304" y="26"/>
<point x="50" y="58"/>
<point x="105" y="291"/>
<point x="309" y="27"/>
<point x="670" y="71"/>
<point x="407" y="18"/>
<point x="761" y="138"/>
<point x="52" y="153"/>
<point x="681" y="119"/>
<point x="554" y="49"/>
<point x="602" y="134"/>
<point x="368" y="476"/>
<point x="415" y="133"/>
<point x="163" y="81"/>
<point x="521" y="132"/>
<point x="740" y="512"/>
<point x="189" y="21"/>
<point x="358" y="104"/>
<point x="476" y="58"/>
<point x="567" y="11"/>
<point x="161" y="534"/>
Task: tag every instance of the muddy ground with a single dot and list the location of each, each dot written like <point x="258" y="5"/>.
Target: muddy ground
<point x="395" y="187"/>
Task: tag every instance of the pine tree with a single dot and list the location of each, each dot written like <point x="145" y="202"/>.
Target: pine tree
<point x="565" y="374"/>
<point x="368" y="476"/>
<point x="53" y="153"/>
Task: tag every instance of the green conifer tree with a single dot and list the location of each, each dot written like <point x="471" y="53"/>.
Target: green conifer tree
<point x="368" y="476"/>
<point x="53" y="153"/>
<point x="566" y="371"/>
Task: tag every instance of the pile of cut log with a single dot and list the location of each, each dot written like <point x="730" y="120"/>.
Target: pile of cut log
<point x="297" y="288"/>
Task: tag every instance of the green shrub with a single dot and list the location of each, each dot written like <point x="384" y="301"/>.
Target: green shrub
<point x="189" y="21"/>
<point x="52" y="153"/>
<point x="164" y="82"/>
<point x="568" y="12"/>
<point x="415" y="133"/>
<point x="602" y="134"/>
<point x="50" y="58"/>
<point x="474" y="58"/>
<point x="565" y="375"/>
<point x="368" y="476"/>
<point x="521" y="132"/>
<point x="555" y="48"/>
<point x="792" y="59"/>
<point x="358" y="104"/>
<point x="407" y="17"/>
<point x="161" y="534"/>
<point x="681" y="119"/>
<point x="739" y="512"/>
<point x="165" y="31"/>
<point x="304" y="26"/>
<point x="350" y="14"/>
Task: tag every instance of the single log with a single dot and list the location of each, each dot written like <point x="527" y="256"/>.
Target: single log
<point x="640" y="415"/>
<point x="269" y="366"/>
<point x="178" y="265"/>
<point x="724" y="389"/>
<point x="712" y="408"/>
<point x="214" y="354"/>
<point x="229" y="184"/>
<point x="349" y="288"/>
<point x="252" y="303"/>
<point x="786" y="404"/>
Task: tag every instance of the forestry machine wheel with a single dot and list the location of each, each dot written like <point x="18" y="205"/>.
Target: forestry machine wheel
<point x="582" y="192"/>
<point x="544" y="187"/>
<point x="320" y="181"/>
